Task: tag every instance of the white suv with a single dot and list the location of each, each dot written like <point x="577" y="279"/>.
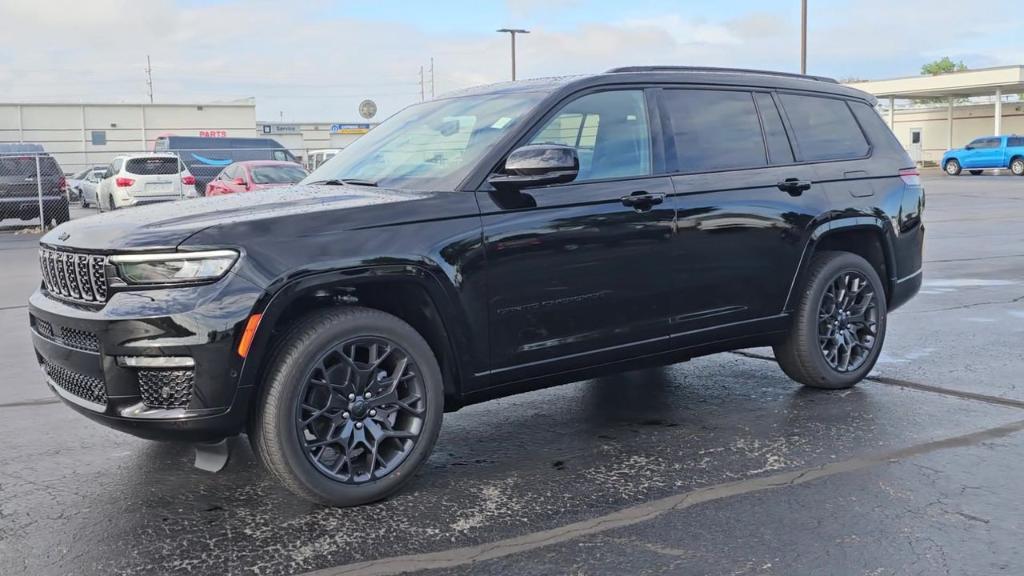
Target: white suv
<point x="131" y="180"/>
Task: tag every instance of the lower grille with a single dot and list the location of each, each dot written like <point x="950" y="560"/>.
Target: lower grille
<point x="85" y="387"/>
<point x="166" y="388"/>
<point x="44" y="328"/>
<point x="80" y="339"/>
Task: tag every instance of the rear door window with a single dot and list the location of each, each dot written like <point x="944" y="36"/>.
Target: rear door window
<point x="779" y="149"/>
<point x="824" y="128"/>
<point x="152" y="166"/>
<point x="715" y="130"/>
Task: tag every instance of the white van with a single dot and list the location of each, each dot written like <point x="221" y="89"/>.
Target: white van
<point x="317" y="157"/>
<point x="131" y="180"/>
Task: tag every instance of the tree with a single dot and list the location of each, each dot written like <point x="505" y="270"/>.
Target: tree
<point x="943" y="65"/>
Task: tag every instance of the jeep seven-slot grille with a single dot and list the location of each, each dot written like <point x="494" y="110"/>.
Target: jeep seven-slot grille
<point x="74" y="276"/>
<point x="85" y="387"/>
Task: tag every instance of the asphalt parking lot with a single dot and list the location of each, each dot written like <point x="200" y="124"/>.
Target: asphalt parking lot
<point x="716" y="466"/>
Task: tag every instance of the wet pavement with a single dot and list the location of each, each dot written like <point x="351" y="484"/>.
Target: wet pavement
<point x="716" y="466"/>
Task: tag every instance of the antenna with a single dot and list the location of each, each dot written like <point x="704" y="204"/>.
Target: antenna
<point x="149" y="78"/>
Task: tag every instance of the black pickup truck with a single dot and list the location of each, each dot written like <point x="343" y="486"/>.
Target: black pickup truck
<point x="486" y="243"/>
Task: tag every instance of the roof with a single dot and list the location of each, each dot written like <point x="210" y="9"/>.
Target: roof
<point x="979" y="82"/>
<point x="675" y="75"/>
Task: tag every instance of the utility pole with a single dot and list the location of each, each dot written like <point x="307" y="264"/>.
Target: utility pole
<point x="512" y="33"/>
<point x="149" y="78"/>
<point x="431" y="77"/>
<point x="803" y="36"/>
<point x="422" y="95"/>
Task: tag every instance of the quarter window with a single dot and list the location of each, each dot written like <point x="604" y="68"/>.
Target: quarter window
<point x="609" y="132"/>
<point x="715" y="130"/>
<point x="824" y="128"/>
<point x="779" y="150"/>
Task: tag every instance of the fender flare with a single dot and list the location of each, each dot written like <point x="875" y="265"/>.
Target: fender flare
<point x="842" y="224"/>
<point x="286" y="291"/>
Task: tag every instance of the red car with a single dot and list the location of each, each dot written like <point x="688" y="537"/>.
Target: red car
<point x="255" y="175"/>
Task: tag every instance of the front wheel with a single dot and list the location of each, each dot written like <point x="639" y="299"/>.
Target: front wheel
<point x="351" y="407"/>
<point x="838" y="325"/>
<point x="953" y="167"/>
<point x="1017" y="166"/>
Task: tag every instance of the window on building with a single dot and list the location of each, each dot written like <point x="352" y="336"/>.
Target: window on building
<point x="99" y="137"/>
<point x="824" y="128"/>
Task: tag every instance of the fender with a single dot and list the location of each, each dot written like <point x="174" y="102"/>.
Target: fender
<point x="427" y="275"/>
<point x="881" y="225"/>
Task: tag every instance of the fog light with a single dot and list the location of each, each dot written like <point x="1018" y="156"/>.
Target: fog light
<point x="155" y="362"/>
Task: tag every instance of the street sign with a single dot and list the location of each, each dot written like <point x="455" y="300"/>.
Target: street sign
<point x="367" y="109"/>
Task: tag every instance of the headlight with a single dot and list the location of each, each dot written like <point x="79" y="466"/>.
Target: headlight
<point x="173" y="268"/>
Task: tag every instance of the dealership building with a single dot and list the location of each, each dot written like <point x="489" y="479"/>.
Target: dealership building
<point x="82" y="135"/>
<point x="949" y="119"/>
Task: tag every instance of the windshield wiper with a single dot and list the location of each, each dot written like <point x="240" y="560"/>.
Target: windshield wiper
<point x="343" y="181"/>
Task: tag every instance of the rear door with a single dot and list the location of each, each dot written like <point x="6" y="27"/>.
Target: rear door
<point x="744" y="205"/>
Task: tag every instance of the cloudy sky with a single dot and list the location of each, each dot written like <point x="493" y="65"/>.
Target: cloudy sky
<point x="316" y="59"/>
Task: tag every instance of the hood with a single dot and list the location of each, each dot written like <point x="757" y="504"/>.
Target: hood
<point x="166" y="225"/>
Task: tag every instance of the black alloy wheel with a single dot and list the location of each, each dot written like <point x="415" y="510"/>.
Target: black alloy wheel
<point x="848" y="321"/>
<point x="361" y="409"/>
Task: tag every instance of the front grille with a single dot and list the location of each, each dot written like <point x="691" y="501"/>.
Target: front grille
<point x="80" y="339"/>
<point x="166" y="388"/>
<point x="85" y="387"/>
<point x="74" y="276"/>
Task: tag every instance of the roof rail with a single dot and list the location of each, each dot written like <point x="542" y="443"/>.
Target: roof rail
<point x="718" y="70"/>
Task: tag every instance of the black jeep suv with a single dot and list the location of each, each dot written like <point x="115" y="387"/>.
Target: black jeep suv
<point x="493" y="241"/>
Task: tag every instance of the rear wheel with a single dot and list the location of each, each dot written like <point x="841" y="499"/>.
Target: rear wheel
<point x="953" y="167"/>
<point x="839" y="324"/>
<point x="62" y="215"/>
<point x="1017" y="166"/>
<point x="975" y="172"/>
<point x="351" y="407"/>
<point x="110" y="202"/>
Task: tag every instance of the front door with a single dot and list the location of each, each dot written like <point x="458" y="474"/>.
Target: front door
<point x="915" y="145"/>
<point x="576" y="273"/>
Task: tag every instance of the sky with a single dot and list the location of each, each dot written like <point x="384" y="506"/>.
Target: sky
<point x="315" y="60"/>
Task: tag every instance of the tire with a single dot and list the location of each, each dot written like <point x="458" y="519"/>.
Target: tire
<point x="85" y="203"/>
<point x="975" y="172"/>
<point x="1017" y="166"/>
<point x="110" y="202"/>
<point x="62" y="215"/>
<point x="953" y="167"/>
<point x="296" y="406"/>
<point x="805" y="354"/>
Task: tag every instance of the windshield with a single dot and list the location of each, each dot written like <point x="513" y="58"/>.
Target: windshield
<point x="429" y="146"/>
<point x="277" y="174"/>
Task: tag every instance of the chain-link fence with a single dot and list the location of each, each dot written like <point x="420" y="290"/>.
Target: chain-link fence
<point x="42" y="189"/>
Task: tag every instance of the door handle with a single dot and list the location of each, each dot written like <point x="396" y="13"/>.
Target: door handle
<point x="794" y="186"/>
<point x="642" y="200"/>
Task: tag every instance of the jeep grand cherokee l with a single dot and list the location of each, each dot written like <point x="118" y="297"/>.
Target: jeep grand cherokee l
<point x="493" y="241"/>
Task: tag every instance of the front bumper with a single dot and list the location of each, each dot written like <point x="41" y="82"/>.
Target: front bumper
<point x="79" y="347"/>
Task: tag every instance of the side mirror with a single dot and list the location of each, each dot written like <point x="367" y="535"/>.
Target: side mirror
<point x="240" y="181"/>
<point x="537" y="165"/>
<point x="968" y="147"/>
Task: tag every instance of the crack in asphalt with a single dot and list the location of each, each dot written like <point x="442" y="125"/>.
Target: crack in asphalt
<point x="18" y="307"/>
<point x="650" y="510"/>
<point x="965" y="306"/>
<point x="916" y="385"/>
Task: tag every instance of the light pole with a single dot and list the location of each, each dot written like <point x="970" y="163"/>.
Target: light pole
<point x="512" y="33"/>
<point x="803" y="36"/>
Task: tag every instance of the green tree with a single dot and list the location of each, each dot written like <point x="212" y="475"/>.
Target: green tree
<point x="943" y="65"/>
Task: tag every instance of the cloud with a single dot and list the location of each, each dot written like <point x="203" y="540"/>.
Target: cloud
<point x="315" y="61"/>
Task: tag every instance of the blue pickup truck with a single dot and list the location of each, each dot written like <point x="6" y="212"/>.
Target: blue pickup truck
<point x="986" y="153"/>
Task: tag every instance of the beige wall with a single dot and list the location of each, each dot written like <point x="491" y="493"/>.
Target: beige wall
<point x="969" y="122"/>
<point x="65" y="130"/>
<point x="311" y="136"/>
